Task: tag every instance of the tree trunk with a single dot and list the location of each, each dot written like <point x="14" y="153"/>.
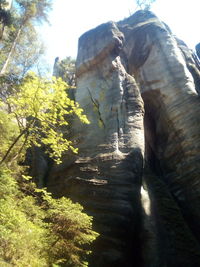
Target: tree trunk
<point x="5" y="66"/>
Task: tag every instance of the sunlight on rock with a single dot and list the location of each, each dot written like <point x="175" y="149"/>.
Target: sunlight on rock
<point x="146" y="204"/>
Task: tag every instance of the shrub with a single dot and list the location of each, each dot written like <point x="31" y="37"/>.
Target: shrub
<point x="37" y="230"/>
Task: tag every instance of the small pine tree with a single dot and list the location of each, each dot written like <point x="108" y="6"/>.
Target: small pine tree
<point x="39" y="231"/>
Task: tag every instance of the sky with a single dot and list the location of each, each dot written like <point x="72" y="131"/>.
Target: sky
<point x="70" y="19"/>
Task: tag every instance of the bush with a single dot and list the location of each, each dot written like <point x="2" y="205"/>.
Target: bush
<point x="37" y="230"/>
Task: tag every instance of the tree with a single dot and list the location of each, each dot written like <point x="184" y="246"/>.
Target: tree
<point x="28" y="52"/>
<point x="66" y="70"/>
<point x="5" y="16"/>
<point x="144" y="4"/>
<point x="37" y="230"/>
<point x="41" y="108"/>
<point x="26" y="14"/>
<point x="71" y="231"/>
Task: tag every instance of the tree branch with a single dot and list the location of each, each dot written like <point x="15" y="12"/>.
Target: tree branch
<point x="12" y="145"/>
<point x="16" y="140"/>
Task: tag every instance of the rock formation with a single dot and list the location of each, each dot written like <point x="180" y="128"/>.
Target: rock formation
<point x="198" y="50"/>
<point x="137" y="172"/>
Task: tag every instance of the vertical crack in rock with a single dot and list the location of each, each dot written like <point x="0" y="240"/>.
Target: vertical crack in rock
<point x="96" y="105"/>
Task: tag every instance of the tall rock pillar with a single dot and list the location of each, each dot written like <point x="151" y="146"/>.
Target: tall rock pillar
<point x="106" y="175"/>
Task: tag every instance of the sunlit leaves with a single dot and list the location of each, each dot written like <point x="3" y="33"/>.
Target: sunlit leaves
<point x="42" y="109"/>
<point x="8" y="132"/>
<point x="22" y="229"/>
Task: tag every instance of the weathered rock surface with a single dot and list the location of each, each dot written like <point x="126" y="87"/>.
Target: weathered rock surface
<point x="198" y="50"/>
<point x="125" y="70"/>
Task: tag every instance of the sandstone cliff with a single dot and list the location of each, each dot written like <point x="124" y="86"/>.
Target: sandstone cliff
<point x="137" y="171"/>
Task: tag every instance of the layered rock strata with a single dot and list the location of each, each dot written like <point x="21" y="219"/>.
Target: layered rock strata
<point x="138" y="85"/>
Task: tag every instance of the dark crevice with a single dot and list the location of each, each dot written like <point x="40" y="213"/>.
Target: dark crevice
<point x="96" y="105"/>
<point x="173" y="231"/>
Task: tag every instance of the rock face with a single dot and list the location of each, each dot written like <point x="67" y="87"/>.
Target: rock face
<point x="198" y="50"/>
<point x="138" y="85"/>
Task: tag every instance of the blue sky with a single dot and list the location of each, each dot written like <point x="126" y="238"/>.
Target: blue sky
<point x="70" y="19"/>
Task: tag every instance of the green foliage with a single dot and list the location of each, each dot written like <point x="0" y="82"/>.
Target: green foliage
<point x="34" y="9"/>
<point x="8" y="133"/>
<point x="66" y="70"/>
<point x="28" y="51"/>
<point x="72" y="231"/>
<point x="22" y="230"/>
<point x="5" y="16"/>
<point x="25" y="15"/>
<point x="37" y="230"/>
<point x="144" y="4"/>
<point x="41" y="108"/>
